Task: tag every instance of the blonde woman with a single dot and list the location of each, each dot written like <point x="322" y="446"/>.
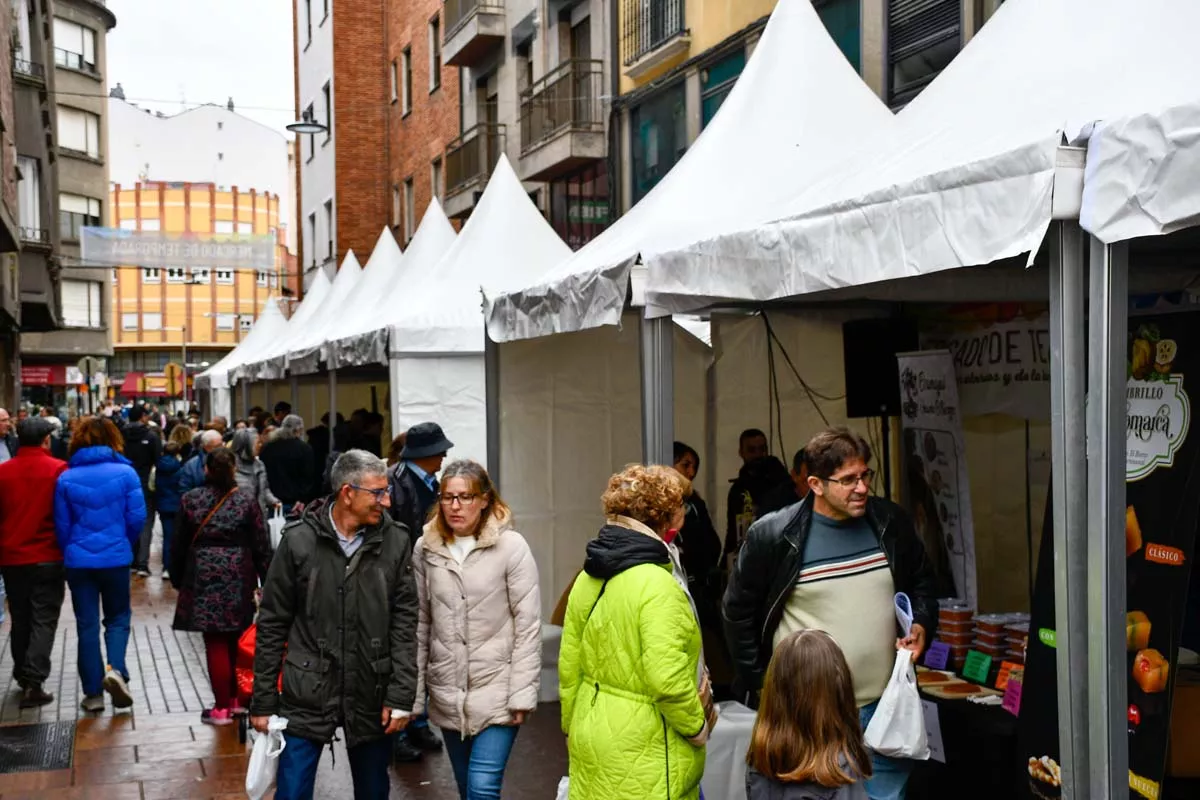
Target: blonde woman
<point x="635" y="706"/>
<point x="479" y="646"/>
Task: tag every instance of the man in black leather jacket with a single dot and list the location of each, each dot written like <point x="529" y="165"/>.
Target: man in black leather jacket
<point x="770" y="562"/>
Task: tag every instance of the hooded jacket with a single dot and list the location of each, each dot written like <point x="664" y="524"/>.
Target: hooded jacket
<point x="479" y="636"/>
<point x="348" y="627"/>
<point x="166" y="484"/>
<point x="142" y="448"/>
<point x="99" y="510"/>
<point x="628" y="668"/>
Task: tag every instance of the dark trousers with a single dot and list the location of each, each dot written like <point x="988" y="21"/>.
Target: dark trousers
<point x="143" y="550"/>
<point x="35" y="598"/>
<point x="298" y="762"/>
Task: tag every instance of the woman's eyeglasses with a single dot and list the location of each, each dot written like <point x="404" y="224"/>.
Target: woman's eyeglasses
<point x="461" y="499"/>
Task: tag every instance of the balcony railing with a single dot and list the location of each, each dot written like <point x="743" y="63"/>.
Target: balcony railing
<point x="470" y="157"/>
<point x="30" y="69"/>
<point x="66" y="58"/>
<point x="566" y="99"/>
<point x="457" y="12"/>
<point x="35" y="236"/>
<point x="647" y="25"/>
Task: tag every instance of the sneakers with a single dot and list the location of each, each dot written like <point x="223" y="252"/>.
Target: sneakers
<point x="35" y="696"/>
<point x="166" y="575"/>
<point x="93" y="704"/>
<point x="143" y="572"/>
<point x="216" y="716"/>
<point x="116" y="686"/>
<point x="423" y="738"/>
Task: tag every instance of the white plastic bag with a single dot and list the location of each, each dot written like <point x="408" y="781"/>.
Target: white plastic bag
<point x="275" y="527"/>
<point x="898" y="727"/>
<point x="264" y="758"/>
<point x="564" y="789"/>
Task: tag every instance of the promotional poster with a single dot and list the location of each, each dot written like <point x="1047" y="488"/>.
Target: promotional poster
<point x="1161" y="519"/>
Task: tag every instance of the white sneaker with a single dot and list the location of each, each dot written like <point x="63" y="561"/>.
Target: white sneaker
<point x="115" y="685"/>
<point x="93" y="704"/>
<point x="166" y="575"/>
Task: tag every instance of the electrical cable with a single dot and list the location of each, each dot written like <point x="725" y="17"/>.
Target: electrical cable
<point x="808" y="390"/>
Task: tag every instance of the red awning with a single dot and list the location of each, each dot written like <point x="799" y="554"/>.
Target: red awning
<point x="131" y="387"/>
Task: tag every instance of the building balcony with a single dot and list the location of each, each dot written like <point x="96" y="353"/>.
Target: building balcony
<point x="562" y="120"/>
<point x="652" y="33"/>
<point x="75" y="61"/>
<point x="473" y="29"/>
<point x="469" y="162"/>
<point x="35" y="238"/>
<point x="28" y="71"/>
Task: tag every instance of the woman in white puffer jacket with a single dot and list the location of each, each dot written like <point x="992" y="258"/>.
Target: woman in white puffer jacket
<point x="479" y="646"/>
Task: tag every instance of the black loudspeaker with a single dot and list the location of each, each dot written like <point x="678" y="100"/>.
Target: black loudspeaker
<point x="869" y="348"/>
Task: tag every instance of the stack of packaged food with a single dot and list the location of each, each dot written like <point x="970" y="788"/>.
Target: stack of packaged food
<point x="955" y="624"/>
<point x="990" y="634"/>
<point x="1017" y="639"/>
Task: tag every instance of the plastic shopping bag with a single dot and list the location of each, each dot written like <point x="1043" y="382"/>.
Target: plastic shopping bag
<point x="898" y="727"/>
<point x="275" y="527"/>
<point x="264" y="759"/>
<point x="563" y="789"/>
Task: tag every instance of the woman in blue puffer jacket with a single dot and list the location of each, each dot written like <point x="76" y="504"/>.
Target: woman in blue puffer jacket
<point x="98" y="515"/>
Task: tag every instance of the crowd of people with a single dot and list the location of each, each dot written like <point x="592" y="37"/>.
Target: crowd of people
<point x="401" y="594"/>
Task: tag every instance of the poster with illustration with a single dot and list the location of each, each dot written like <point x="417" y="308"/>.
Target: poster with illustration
<point x="937" y="492"/>
<point x="1162" y="516"/>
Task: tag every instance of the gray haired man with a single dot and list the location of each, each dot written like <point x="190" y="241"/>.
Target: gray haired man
<point x="339" y="616"/>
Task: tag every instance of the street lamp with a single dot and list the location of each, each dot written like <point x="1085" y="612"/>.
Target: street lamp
<point x="306" y="125"/>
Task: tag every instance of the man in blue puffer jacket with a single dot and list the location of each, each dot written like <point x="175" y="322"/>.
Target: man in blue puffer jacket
<point x="99" y="511"/>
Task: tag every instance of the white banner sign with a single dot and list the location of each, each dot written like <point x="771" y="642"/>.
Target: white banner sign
<point x="1002" y="368"/>
<point x="937" y="490"/>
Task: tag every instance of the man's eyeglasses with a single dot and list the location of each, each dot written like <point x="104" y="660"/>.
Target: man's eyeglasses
<point x="378" y="494"/>
<point x="850" y="481"/>
<point x="461" y="499"/>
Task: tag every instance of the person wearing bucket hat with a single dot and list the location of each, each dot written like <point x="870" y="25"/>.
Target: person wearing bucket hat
<point x="414" y="489"/>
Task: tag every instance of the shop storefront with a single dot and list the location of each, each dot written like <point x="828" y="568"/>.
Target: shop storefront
<point x="60" y="386"/>
<point x="579" y="205"/>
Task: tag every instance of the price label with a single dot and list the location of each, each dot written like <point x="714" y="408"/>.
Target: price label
<point x="1012" y="693"/>
<point x="977" y="667"/>
<point x="1006" y="669"/>
<point x="937" y="655"/>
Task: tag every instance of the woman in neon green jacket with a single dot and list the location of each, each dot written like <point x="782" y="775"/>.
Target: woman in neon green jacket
<point x="635" y="706"/>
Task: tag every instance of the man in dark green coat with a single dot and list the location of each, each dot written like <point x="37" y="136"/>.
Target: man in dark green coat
<point x="339" y="615"/>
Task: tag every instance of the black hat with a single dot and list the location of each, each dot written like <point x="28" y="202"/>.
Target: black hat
<point x="425" y="439"/>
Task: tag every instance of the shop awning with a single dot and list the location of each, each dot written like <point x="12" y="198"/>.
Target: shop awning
<point x="132" y="385"/>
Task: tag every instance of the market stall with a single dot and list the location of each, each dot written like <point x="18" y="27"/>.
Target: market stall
<point x="217" y="379"/>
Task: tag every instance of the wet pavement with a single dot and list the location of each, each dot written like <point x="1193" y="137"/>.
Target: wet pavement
<point x="161" y="750"/>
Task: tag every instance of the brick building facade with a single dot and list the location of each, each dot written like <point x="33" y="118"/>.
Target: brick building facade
<point x="423" y="111"/>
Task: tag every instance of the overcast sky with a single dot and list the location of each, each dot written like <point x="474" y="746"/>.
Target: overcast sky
<point x="169" y="55"/>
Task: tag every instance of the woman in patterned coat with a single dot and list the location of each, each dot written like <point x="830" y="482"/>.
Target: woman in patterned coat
<point x="219" y="558"/>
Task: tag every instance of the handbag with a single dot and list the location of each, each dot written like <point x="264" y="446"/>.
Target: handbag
<point x="275" y="525"/>
<point x="200" y="528"/>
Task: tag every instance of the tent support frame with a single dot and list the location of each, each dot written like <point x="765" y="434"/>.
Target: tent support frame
<point x="658" y="389"/>
<point x="491" y="391"/>
<point x="1068" y="389"/>
<point x="332" y="404"/>
<point x="1106" y="412"/>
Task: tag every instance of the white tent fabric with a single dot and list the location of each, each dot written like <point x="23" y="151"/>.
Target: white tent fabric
<point x="1141" y="175"/>
<point x="363" y="336"/>
<point x="505" y="244"/>
<point x="304" y="349"/>
<point x="266" y="329"/>
<point x="969" y="176"/>
<point x="797" y="107"/>
<point x="257" y="366"/>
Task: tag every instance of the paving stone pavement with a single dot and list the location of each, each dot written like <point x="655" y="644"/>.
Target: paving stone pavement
<point x="161" y="750"/>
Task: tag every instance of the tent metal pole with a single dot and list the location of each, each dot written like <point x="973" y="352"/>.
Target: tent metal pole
<point x="294" y="388"/>
<point x="658" y="389"/>
<point x="491" y="394"/>
<point x="1068" y="389"/>
<point x="1107" y="679"/>
<point x="332" y="399"/>
<point x="245" y="398"/>
<point x="394" y="393"/>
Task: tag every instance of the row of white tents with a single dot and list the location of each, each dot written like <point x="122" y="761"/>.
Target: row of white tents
<point x="1074" y="118"/>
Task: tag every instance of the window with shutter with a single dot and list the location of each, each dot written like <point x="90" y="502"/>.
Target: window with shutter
<point x="79" y="131"/>
<point x="151" y="321"/>
<point x="129" y="322"/>
<point x="74" y="46"/>
<point x="29" y="193"/>
<point x="923" y="37"/>
<point x="76" y="304"/>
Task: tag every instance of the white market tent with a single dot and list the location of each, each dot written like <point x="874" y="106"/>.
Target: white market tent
<point x="307" y="341"/>
<point x="797" y="107"/>
<point x="266" y="329"/>
<point x="436" y="332"/>
<point x="256" y="367"/>
<point x="383" y="268"/>
<point x="362" y="336"/>
<point x="969" y="178"/>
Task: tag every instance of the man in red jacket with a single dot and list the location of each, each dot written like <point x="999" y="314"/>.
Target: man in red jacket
<point x="30" y="558"/>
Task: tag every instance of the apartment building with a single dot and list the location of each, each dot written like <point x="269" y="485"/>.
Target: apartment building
<point x="423" y="110"/>
<point x="10" y="234"/>
<point x="77" y="158"/>
<point x="344" y="182"/>
<point x="161" y="312"/>
<point x="537" y="84"/>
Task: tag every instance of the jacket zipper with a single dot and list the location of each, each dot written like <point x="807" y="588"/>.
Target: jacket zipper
<point x="666" y="754"/>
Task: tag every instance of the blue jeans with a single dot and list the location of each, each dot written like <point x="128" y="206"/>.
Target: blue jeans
<point x="889" y="778"/>
<point x="479" y="760"/>
<point x="167" y="518"/>
<point x="297" y="773"/>
<point x="91" y="589"/>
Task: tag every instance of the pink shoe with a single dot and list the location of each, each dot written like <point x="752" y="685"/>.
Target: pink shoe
<point x="216" y="716"/>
